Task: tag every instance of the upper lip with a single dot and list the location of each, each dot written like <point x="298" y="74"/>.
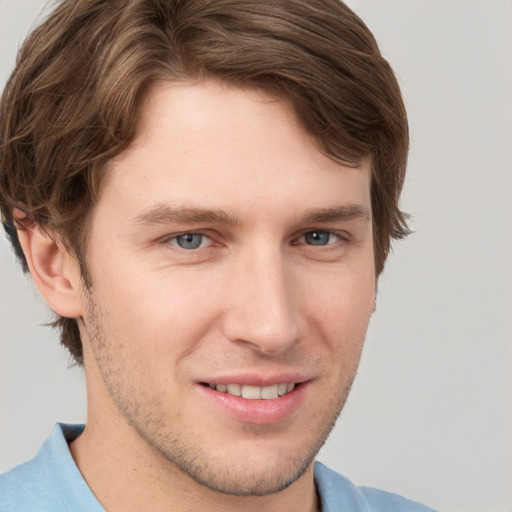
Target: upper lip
<point x="253" y="379"/>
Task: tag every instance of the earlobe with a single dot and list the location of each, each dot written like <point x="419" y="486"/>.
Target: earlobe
<point x="54" y="270"/>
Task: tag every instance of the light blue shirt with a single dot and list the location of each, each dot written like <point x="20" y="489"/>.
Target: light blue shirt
<point x="51" y="482"/>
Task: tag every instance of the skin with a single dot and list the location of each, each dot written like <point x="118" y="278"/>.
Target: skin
<point x="257" y="300"/>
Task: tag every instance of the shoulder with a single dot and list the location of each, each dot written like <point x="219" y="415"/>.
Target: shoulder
<point x="339" y="493"/>
<point x="50" y="481"/>
<point x="26" y="487"/>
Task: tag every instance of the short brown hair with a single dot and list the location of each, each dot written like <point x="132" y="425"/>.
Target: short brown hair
<point x="71" y="102"/>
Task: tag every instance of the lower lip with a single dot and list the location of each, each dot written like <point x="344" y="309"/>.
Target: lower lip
<point x="258" y="412"/>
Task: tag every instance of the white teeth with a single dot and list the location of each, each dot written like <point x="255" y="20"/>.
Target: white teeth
<point x="255" y="392"/>
<point x="269" y="392"/>
<point x="235" y="389"/>
<point x="251" y="392"/>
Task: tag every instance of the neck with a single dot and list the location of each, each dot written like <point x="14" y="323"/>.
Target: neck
<point x="125" y="478"/>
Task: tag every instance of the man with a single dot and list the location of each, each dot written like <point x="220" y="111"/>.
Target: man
<point x="204" y="192"/>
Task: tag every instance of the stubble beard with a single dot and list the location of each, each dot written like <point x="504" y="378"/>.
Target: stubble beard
<point x="175" y="448"/>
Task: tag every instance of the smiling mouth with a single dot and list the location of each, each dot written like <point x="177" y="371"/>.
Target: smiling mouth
<point x="254" y="392"/>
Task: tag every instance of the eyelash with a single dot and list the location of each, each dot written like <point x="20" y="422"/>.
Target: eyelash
<point x="331" y="234"/>
<point x="172" y="239"/>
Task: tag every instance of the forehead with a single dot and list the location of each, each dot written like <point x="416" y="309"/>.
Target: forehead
<point x="220" y="145"/>
<point x="185" y="111"/>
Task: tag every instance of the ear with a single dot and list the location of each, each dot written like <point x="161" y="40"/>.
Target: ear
<point x="54" y="270"/>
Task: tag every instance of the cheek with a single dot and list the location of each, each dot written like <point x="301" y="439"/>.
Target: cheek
<point x="160" y="314"/>
<point x="342" y="290"/>
<point x="341" y="308"/>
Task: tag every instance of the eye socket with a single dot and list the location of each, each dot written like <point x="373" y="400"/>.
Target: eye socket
<point x="319" y="238"/>
<point x="194" y="241"/>
<point x="190" y="241"/>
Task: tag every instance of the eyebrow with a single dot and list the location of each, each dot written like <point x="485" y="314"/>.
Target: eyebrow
<point x="344" y="212"/>
<point x="164" y="214"/>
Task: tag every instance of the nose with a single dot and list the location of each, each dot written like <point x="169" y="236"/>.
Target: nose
<point x="263" y="305"/>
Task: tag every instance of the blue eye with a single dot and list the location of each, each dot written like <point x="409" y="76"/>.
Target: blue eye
<point x="318" y="237"/>
<point x="189" y="241"/>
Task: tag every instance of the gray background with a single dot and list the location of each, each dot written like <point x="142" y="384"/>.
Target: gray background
<point x="430" y="415"/>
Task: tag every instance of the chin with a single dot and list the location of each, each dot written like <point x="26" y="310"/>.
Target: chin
<point x="261" y="465"/>
<point x="242" y="480"/>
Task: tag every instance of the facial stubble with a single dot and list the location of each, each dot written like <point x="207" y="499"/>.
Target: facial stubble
<point x="171" y="446"/>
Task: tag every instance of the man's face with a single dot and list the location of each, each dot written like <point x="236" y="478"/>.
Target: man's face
<point x="226" y="252"/>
